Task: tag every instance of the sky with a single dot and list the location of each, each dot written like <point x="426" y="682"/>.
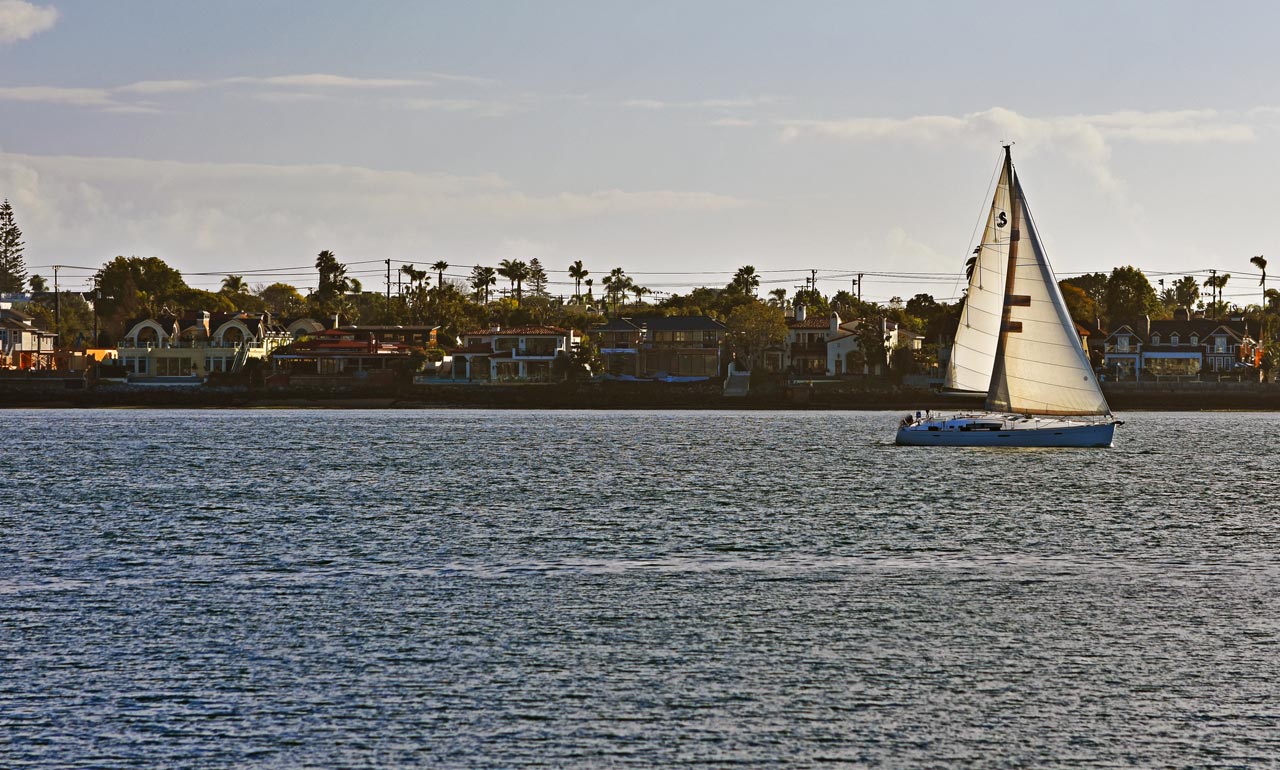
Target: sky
<point x="677" y="140"/>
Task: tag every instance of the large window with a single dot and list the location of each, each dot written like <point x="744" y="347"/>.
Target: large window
<point x="173" y="366"/>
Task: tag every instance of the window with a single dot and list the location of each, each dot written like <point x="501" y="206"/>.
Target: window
<point x="1173" y="338"/>
<point x="1220" y="344"/>
<point x="1195" y="339"/>
<point x="1122" y="343"/>
<point x="1155" y="339"/>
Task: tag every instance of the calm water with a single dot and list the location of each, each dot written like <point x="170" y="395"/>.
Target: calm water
<point x="568" y="589"/>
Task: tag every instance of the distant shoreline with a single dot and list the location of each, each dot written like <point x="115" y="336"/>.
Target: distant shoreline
<point x="605" y="397"/>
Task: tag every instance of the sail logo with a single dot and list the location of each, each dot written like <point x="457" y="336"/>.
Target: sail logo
<point x="1002" y="220"/>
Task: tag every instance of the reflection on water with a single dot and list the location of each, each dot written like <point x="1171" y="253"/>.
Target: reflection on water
<point x="578" y="589"/>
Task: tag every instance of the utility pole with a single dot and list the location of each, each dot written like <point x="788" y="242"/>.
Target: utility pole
<point x="1213" y="290"/>
<point x="388" y="283"/>
<point x="859" y="287"/>
<point x="57" y="310"/>
<point x="95" y="309"/>
<point x="813" y="280"/>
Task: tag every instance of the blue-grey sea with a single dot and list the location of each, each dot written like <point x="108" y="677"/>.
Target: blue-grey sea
<point x="499" y="589"/>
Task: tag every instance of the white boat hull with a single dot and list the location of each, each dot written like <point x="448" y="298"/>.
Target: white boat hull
<point x="997" y="430"/>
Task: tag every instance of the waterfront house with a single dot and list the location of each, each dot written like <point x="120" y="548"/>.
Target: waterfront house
<point x="415" y="336"/>
<point x="1180" y="348"/>
<point x="830" y="346"/>
<point x="520" y="353"/>
<point x="195" y="344"/>
<point x="661" y="346"/>
<point x="23" y="344"/>
<point x="341" y="356"/>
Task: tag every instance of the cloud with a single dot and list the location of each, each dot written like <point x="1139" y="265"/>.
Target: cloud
<point x="278" y="89"/>
<point x="1085" y="138"/>
<point x="83" y="97"/>
<point x="162" y="86"/>
<point x="1182" y="126"/>
<point x="20" y="20"/>
<point x="713" y="104"/>
<point x="485" y="108"/>
<point x="101" y="206"/>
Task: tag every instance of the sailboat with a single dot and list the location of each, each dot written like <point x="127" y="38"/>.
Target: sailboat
<point x="1016" y="343"/>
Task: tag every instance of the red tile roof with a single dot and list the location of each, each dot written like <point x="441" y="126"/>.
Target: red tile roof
<point x="520" y="331"/>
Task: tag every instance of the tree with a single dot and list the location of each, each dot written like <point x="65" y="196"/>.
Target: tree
<point x="745" y="281"/>
<point x="334" y="283"/>
<point x="283" y="300"/>
<point x="13" y="271"/>
<point x="1216" y="283"/>
<point x="440" y="266"/>
<point x="519" y="271"/>
<point x="481" y="279"/>
<point x="778" y="297"/>
<point x="38" y="284"/>
<point x="1260" y="262"/>
<point x="1079" y="304"/>
<point x="752" y="328"/>
<point x="639" y="291"/>
<point x="616" y="285"/>
<point x="577" y="272"/>
<point x="234" y="284"/>
<point x="537" y="278"/>
<point x="1186" y="292"/>
<point x="1094" y="286"/>
<point x="1129" y="295"/>
<point x="134" y="286"/>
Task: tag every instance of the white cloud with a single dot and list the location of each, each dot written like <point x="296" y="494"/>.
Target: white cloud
<point x="1086" y="139"/>
<point x="203" y="211"/>
<point x="20" y="20"/>
<point x="162" y="86"/>
<point x="713" y="104"/>
<point x="321" y="80"/>
<point x="84" y="97"/>
<point x="296" y="88"/>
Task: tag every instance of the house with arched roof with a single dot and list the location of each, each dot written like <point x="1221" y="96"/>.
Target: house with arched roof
<point x="191" y="346"/>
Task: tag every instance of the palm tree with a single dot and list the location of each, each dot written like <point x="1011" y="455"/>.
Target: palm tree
<point x="1271" y="300"/>
<point x="481" y="279"/>
<point x="577" y="272"/>
<point x="508" y="268"/>
<point x="440" y="266"/>
<point x="616" y="285"/>
<point x="1260" y="262"/>
<point x="779" y="297"/>
<point x="640" y="291"/>
<point x="518" y="272"/>
<point x="233" y="284"/>
<point x="588" y="282"/>
<point x="1216" y="284"/>
<point x="745" y="281"/>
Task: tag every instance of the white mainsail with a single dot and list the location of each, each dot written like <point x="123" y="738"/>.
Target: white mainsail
<point x="974" y="350"/>
<point x="1041" y="366"/>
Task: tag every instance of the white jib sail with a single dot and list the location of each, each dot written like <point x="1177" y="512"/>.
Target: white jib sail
<point x="1044" y="368"/>
<point x="973" y="352"/>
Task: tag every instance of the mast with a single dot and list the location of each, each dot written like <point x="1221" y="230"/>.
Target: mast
<point x="1006" y="313"/>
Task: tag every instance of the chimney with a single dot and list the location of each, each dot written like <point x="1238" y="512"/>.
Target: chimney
<point x="1148" y="319"/>
<point x="835" y="323"/>
<point x="800" y="312"/>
